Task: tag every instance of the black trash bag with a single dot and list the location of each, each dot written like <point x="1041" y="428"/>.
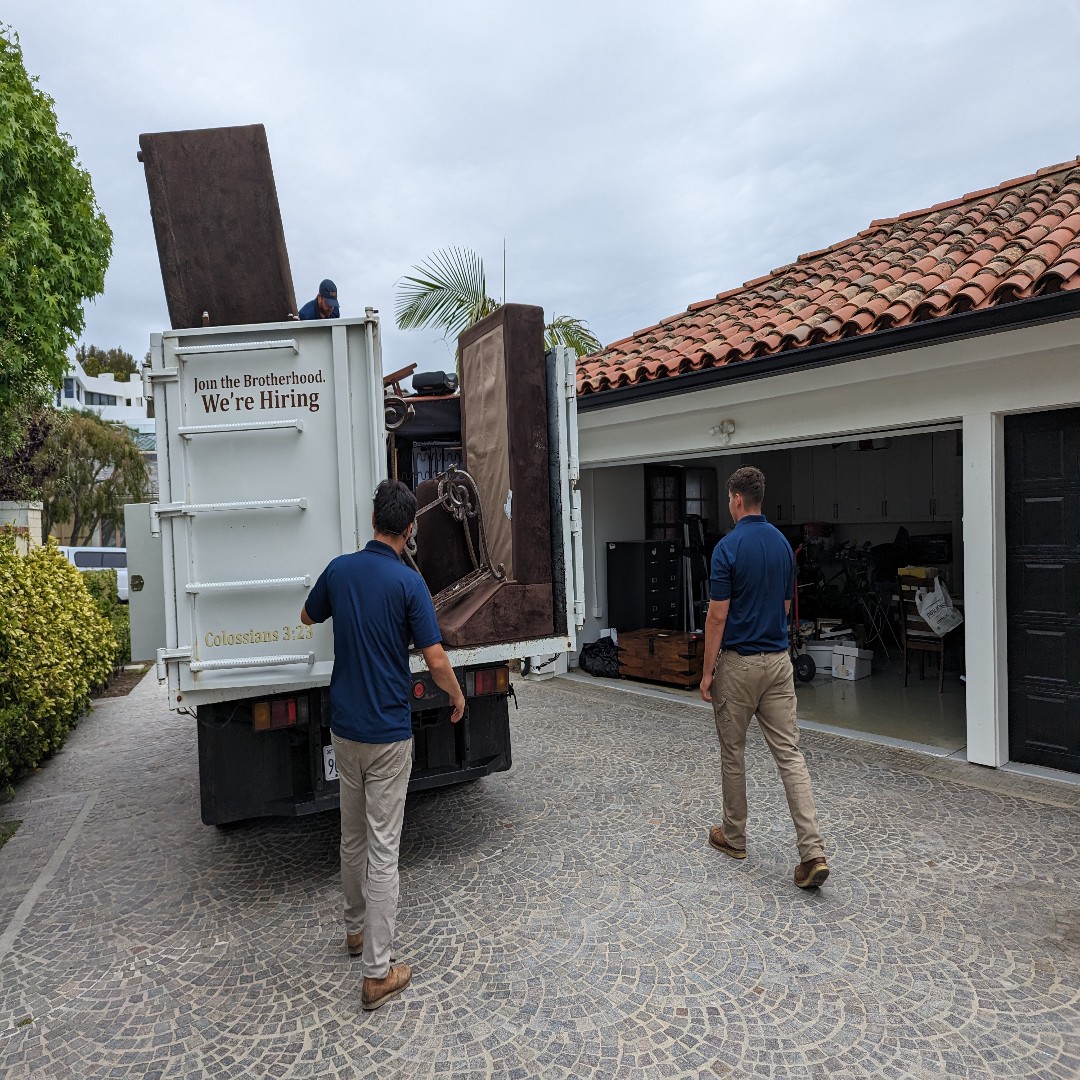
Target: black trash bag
<point x="600" y="658"/>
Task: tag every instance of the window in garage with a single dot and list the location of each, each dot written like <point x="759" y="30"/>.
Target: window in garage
<point x="663" y="502"/>
<point x="701" y="496"/>
<point x="673" y="493"/>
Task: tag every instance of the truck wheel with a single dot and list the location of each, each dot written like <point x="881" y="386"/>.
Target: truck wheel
<point x="805" y="668"/>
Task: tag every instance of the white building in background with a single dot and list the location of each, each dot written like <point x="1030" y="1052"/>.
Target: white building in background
<point x="112" y="399"/>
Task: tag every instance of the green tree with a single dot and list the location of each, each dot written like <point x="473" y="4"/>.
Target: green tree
<point x="95" y="361"/>
<point x="449" y="290"/>
<point x="36" y="456"/>
<point x="54" y="245"/>
<point x="94" y="469"/>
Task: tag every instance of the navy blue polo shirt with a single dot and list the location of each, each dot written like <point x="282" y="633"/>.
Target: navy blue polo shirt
<point x="754" y="567"/>
<point x="379" y="605"/>
<point x="311" y="310"/>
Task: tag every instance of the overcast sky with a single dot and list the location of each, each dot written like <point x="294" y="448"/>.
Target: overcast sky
<point x="637" y="157"/>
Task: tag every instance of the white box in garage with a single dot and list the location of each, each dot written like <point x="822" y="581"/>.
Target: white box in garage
<point x="850" y="662"/>
<point x="822" y="654"/>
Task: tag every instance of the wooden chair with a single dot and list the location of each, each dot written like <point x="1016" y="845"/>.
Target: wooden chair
<point x="916" y="635"/>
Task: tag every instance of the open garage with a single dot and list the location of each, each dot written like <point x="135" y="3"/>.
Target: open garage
<point x="910" y="395"/>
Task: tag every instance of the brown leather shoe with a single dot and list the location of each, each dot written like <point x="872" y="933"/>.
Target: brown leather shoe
<point x="355" y="943"/>
<point x="810" y="874"/>
<point x="719" y="841"/>
<point x="378" y="992"/>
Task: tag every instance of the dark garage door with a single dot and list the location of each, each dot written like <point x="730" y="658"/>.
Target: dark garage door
<point x="1042" y="538"/>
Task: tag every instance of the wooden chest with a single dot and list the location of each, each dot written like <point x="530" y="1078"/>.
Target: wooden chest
<point x="662" y="656"/>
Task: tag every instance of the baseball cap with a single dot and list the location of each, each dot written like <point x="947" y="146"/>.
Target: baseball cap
<point x="328" y="290"/>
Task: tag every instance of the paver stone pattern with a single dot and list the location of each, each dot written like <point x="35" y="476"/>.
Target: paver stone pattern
<point x="565" y="919"/>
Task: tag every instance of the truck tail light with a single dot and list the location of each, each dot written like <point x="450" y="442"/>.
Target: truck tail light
<point x="282" y="713"/>
<point x="493" y="680"/>
<point x="260" y="716"/>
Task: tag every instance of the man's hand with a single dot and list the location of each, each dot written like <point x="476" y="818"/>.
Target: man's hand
<point x="459" y="708"/>
<point x="706" y="686"/>
<point x="443" y="674"/>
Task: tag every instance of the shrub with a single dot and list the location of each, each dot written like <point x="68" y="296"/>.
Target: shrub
<point x="13" y="739"/>
<point x="55" y="648"/>
<point x="121" y="626"/>
<point x="101" y="584"/>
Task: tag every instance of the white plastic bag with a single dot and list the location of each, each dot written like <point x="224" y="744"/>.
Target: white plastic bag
<point x="936" y="609"/>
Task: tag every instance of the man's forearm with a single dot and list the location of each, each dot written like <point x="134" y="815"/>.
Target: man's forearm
<point x="714" y="636"/>
<point x="443" y="673"/>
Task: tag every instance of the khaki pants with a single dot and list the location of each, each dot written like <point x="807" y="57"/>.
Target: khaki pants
<point x="762" y="684"/>
<point x="374" y="780"/>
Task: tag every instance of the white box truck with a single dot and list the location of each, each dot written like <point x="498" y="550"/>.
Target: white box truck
<point x="271" y="440"/>
<point x="272" y="435"/>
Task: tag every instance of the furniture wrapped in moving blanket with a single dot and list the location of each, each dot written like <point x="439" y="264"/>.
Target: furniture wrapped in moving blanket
<point x="504" y="436"/>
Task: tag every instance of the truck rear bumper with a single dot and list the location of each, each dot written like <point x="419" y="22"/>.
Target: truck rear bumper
<point x="446" y="777"/>
<point x="247" y="774"/>
<point x="425" y="781"/>
<point x="300" y="806"/>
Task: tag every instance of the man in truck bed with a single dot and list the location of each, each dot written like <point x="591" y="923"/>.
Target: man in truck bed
<point x="325" y="305"/>
<point x="379" y="605"/>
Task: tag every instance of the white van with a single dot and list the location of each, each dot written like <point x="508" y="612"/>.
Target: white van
<point x="101" y="558"/>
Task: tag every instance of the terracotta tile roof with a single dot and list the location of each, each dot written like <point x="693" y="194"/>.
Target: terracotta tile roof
<point x="1010" y="242"/>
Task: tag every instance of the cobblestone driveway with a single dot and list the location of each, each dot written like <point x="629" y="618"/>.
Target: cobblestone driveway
<point x="565" y="919"/>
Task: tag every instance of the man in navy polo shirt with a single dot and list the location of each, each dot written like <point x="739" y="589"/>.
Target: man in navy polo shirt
<point x="324" y="306"/>
<point x="379" y="605"/>
<point x="748" y="671"/>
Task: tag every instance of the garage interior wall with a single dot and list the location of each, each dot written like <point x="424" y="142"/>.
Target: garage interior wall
<point x="613" y="508"/>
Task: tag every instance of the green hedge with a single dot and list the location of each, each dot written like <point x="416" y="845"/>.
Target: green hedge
<point x="101" y="584"/>
<point x="55" y="648"/>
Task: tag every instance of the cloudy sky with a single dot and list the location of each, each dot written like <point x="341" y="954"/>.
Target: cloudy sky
<point x="636" y="157"/>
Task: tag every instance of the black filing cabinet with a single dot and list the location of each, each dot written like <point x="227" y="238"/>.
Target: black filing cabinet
<point x="643" y="584"/>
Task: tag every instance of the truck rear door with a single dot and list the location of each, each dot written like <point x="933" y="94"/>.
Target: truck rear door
<point x="273" y="439"/>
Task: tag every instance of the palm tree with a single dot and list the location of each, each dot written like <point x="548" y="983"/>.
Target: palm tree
<point x="573" y="333"/>
<point x="449" y="290"/>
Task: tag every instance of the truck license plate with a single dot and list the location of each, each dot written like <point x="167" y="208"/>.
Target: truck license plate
<point x="329" y="762"/>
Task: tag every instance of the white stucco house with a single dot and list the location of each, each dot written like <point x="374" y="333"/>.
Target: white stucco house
<point x="118" y="401"/>
<point x="923" y="374"/>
